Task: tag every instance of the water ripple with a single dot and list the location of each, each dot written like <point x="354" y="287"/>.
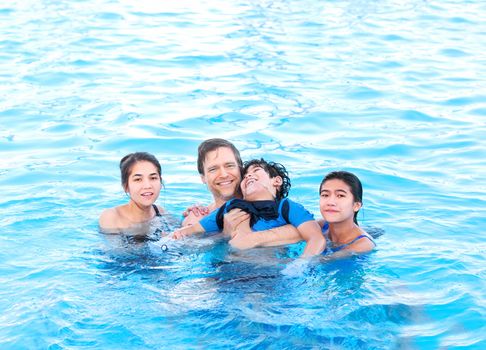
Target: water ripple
<point x="392" y="91"/>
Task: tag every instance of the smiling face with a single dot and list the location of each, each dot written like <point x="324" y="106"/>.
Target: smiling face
<point x="258" y="185"/>
<point x="144" y="183"/>
<point x="337" y="202"/>
<point x="221" y="174"/>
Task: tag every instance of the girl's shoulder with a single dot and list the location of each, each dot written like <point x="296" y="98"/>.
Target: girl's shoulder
<point x="324" y="225"/>
<point x="110" y="218"/>
<point x="362" y="243"/>
<point x="160" y="210"/>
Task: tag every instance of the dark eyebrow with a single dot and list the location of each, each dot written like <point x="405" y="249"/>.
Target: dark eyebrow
<point x="142" y="174"/>
<point x="253" y="167"/>
<point x="338" y="190"/>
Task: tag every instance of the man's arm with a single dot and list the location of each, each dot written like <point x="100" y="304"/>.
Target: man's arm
<point x="244" y="238"/>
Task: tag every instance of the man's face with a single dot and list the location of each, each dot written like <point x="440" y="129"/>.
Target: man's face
<point x="221" y="174"/>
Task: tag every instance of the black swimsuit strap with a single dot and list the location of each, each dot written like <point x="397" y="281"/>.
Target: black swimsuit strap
<point x="157" y="212"/>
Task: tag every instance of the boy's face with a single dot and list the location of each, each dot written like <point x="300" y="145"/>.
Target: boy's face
<point x="258" y="185"/>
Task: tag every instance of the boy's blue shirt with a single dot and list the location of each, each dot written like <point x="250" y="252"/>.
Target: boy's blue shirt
<point x="297" y="215"/>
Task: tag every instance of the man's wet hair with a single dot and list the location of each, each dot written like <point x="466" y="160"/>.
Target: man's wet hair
<point x="273" y="169"/>
<point x="210" y="145"/>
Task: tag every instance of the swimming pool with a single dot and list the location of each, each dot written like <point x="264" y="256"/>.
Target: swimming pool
<point x="391" y="91"/>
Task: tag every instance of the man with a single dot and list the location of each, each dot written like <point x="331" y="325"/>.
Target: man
<point x="219" y="165"/>
<point x="265" y="186"/>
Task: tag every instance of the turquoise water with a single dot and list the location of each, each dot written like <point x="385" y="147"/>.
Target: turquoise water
<point x="393" y="91"/>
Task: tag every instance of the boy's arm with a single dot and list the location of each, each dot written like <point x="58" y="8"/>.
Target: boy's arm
<point x="188" y="230"/>
<point x="311" y="233"/>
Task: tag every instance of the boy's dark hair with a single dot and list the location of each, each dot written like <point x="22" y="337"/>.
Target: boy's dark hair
<point x="127" y="163"/>
<point x="273" y="169"/>
<point x="212" y="144"/>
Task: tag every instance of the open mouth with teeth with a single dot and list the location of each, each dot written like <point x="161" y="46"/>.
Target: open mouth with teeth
<point x="225" y="183"/>
<point x="250" y="182"/>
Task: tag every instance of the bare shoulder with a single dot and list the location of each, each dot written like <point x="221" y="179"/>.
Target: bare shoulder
<point x="109" y="219"/>
<point x="321" y="222"/>
<point x="364" y="244"/>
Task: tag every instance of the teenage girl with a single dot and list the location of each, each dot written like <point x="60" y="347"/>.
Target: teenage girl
<point x="341" y="196"/>
<point x="141" y="180"/>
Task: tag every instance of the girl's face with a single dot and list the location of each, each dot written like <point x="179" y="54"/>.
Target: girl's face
<point x="144" y="183"/>
<point x="337" y="202"/>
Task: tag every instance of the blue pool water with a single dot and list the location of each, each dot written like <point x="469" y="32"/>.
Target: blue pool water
<point x="393" y="91"/>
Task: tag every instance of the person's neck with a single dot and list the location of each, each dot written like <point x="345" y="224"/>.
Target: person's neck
<point x="260" y="196"/>
<point x="220" y="201"/>
<point x="343" y="232"/>
<point x="137" y="213"/>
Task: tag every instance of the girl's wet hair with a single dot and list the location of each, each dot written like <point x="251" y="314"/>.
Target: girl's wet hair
<point x="352" y="181"/>
<point x="127" y="163"/>
<point x="272" y="169"/>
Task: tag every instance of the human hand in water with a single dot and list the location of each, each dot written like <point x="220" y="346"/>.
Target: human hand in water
<point x="193" y="214"/>
<point x="296" y="268"/>
<point x="182" y="232"/>
<point x="243" y="237"/>
<point x="233" y="219"/>
<point x="178" y="234"/>
<point x="196" y="210"/>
